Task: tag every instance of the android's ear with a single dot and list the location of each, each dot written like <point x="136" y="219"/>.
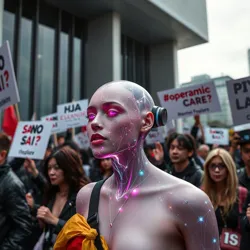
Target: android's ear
<point x="147" y="122"/>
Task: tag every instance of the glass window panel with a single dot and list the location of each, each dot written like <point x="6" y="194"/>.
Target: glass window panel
<point x="64" y="40"/>
<point x="8" y="28"/>
<point x="77" y="69"/>
<point x="45" y="69"/>
<point x="23" y="76"/>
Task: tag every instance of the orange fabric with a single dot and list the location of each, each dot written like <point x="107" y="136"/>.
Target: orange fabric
<point x="78" y="226"/>
<point x="9" y="121"/>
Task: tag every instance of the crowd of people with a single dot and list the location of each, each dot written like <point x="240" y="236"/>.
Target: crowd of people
<point x="38" y="197"/>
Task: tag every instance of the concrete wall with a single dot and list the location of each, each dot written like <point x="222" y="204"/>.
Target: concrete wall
<point x="1" y="20"/>
<point x="103" y="52"/>
<point x="163" y="68"/>
<point x="191" y="13"/>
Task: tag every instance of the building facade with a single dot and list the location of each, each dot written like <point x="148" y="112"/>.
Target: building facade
<point x="223" y="118"/>
<point x="65" y="50"/>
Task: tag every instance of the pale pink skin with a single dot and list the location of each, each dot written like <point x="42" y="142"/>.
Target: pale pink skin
<point x="148" y="208"/>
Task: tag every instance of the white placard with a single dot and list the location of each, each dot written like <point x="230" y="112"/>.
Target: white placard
<point x="56" y="126"/>
<point x="8" y="88"/>
<point x="73" y="114"/>
<point x="82" y="140"/>
<point x="242" y="127"/>
<point x="189" y="101"/>
<point x="156" y="135"/>
<point x="31" y="140"/>
<point x="239" y="99"/>
<point x="219" y="136"/>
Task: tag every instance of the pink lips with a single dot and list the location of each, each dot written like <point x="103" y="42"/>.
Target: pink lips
<point x="97" y="139"/>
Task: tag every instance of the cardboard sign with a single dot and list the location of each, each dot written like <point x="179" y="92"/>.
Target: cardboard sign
<point x="8" y="88"/>
<point x="73" y="114"/>
<point x="239" y="98"/>
<point x="56" y="126"/>
<point x="219" y="136"/>
<point x="189" y="101"/>
<point x="156" y="135"/>
<point x="82" y="140"/>
<point x="31" y="140"/>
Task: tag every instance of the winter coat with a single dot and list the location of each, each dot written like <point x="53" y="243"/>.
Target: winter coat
<point x="15" y="218"/>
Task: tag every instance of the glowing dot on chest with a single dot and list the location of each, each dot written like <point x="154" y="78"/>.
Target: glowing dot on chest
<point x="214" y="240"/>
<point x="201" y="219"/>
<point x="135" y="191"/>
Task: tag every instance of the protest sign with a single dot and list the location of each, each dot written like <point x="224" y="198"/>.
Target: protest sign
<point x="8" y="88"/>
<point x="156" y="135"/>
<point x="189" y="101"/>
<point x="219" y="136"/>
<point x="56" y="126"/>
<point x="31" y="140"/>
<point x="82" y="140"/>
<point x="73" y="114"/>
<point x="239" y="99"/>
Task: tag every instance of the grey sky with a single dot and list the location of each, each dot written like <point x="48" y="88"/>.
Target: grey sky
<point x="229" y="39"/>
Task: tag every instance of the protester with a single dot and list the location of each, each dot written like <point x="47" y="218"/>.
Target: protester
<point x="245" y="225"/>
<point x="15" y="218"/>
<point x="244" y="173"/>
<point x="202" y="152"/>
<point x="65" y="176"/>
<point x="197" y="131"/>
<point x="181" y="151"/>
<point x="220" y="183"/>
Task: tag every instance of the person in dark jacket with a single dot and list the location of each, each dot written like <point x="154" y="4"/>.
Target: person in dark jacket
<point x="181" y="151"/>
<point x="245" y="225"/>
<point x="15" y="217"/>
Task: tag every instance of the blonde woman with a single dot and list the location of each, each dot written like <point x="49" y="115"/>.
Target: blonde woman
<point x="220" y="183"/>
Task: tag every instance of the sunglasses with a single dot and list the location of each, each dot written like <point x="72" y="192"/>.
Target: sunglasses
<point x="219" y="166"/>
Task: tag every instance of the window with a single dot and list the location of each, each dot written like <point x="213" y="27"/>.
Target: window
<point x="47" y="47"/>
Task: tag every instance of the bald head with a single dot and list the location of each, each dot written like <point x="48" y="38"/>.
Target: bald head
<point x="142" y="98"/>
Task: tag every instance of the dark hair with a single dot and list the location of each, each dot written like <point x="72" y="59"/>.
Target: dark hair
<point x="4" y="142"/>
<point x="184" y="140"/>
<point x="85" y="156"/>
<point x="69" y="161"/>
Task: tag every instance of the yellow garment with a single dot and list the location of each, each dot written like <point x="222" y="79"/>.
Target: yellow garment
<point x="78" y="226"/>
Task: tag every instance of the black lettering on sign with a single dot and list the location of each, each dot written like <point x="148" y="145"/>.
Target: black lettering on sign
<point x="2" y="64"/>
<point x="243" y="105"/>
<point x="72" y="108"/>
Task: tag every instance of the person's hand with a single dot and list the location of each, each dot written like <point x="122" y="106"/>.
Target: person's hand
<point x="248" y="212"/>
<point x="158" y="153"/>
<point x="29" y="200"/>
<point x="30" y="166"/>
<point x="44" y="214"/>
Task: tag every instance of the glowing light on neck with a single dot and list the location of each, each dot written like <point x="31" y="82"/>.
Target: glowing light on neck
<point x="141" y="173"/>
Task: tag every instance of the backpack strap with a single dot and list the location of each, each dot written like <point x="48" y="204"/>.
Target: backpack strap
<point x="93" y="218"/>
<point x="242" y="197"/>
